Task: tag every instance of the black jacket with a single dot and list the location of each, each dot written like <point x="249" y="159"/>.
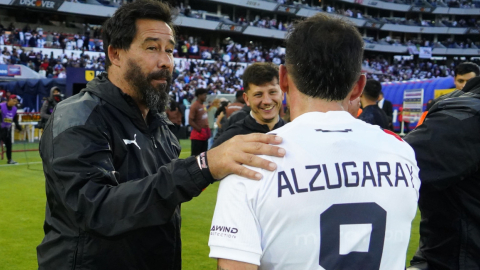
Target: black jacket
<point x="388" y="109"/>
<point x="235" y="117"/>
<point x="372" y="114"/>
<point x="244" y="126"/>
<point x="114" y="185"/>
<point x="447" y="149"/>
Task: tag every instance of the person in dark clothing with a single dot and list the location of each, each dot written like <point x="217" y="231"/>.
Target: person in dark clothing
<point x="371" y="113"/>
<point x="447" y="149"/>
<point x="8" y="115"/>
<point x="48" y="105"/>
<point x="264" y="97"/>
<point x="238" y="115"/>
<point x="387" y="107"/>
<point x="175" y="116"/>
<point x="114" y="182"/>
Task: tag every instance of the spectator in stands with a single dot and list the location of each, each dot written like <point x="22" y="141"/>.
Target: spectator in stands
<point x="119" y="154"/>
<point x="198" y="120"/>
<point x="387" y="107"/>
<point x="8" y="115"/>
<point x="264" y="96"/>
<point x="371" y="113"/>
<point x="448" y="153"/>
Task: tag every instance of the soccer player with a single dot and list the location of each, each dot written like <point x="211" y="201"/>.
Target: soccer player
<point x="346" y="192"/>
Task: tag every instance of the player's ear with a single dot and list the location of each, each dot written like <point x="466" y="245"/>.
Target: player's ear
<point x="283" y="78"/>
<point x="358" y="87"/>
<point x="114" y="55"/>
<point x="245" y="97"/>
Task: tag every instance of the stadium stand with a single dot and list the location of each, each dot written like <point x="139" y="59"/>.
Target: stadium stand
<point x="252" y="31"/>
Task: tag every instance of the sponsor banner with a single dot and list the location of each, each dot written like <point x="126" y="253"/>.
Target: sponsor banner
<point x="474" y="31"/>
<point x="422" y="9"/>
<point x="440" y="92"/>
<point x="10" y="70"/>
<point x="412" y="105"/>
<point x="372" y="3"/>
<point x="13" y="70"/>
<point x="370" y="46"/>
<point x="413" y="50"/>
<point x="373" y="25"/>
<point x="287" y="9"/>
<point x="231" y="27"/>
<point x="82" y="75"/>
<point x="425" y="52"/>
<point x="42" y="4"/>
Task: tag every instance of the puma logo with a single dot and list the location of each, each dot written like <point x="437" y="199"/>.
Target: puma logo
<point x="134" y="141"/>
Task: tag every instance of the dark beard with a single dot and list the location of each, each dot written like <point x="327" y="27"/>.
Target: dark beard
<point x="154" y="97"/>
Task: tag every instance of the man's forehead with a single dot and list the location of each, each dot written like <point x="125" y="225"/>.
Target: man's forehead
<point x="148" y="28"/>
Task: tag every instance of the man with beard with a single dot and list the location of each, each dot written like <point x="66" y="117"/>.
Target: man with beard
<point x="114" y="182"/>
<point x="264" y="96"/>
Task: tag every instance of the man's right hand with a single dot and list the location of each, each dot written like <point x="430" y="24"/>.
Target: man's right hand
<point x="228" y="157"/>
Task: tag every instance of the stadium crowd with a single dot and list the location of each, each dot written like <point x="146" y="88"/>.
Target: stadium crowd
<point x="405" y="70"/>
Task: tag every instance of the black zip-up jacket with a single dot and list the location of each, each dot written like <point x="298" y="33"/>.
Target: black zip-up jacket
<point x="114" y="185"/>
<point x="245" y="126"/>
<point x="447" y="149"/>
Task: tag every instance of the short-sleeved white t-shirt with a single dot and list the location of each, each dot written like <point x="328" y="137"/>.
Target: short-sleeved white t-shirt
<point x="343" y="197"/>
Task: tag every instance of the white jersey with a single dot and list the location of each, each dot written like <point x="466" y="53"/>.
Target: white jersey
<point x="343" y="197"/>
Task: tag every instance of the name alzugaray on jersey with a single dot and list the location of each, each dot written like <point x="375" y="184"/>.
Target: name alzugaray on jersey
<point x="348" y="174"/>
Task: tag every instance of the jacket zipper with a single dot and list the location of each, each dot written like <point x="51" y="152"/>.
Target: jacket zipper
<point x="153" y="141"/>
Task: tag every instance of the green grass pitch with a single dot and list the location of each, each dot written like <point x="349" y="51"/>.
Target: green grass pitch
<point x="22" y="210"/>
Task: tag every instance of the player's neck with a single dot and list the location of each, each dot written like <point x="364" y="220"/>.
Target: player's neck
<point x="301" y="104"/>
<point x="366" y="103"/>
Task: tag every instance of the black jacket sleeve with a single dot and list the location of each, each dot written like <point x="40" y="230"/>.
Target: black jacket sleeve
<point x="447" y="145"/>
<point x="43" y="110"/>
<point x="229" y="133"/>
<point x="81" y="179"/>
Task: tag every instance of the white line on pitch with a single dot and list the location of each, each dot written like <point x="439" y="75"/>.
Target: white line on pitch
<point x="18" y="164"/>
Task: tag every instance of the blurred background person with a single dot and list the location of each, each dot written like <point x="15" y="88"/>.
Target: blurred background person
<point x="8" y="115"/>
<point x="371" y="113"/>
<point x="387" y="107"/>
<point x="198" y="119"/>
<point x="175" y="116"/>
<point x="48" y="106"/>
<point x="211" y="112"/>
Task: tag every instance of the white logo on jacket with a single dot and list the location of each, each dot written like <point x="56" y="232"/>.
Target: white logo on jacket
<point x="134" y="141"/>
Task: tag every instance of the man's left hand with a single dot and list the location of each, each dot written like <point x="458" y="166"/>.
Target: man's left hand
<point x="228" y="157"/>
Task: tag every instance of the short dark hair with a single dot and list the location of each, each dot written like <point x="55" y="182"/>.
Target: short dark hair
<point x="324" y="56"/>
<point x="258" y="74"/>
<point x="467" y="67"/>
<point x="120" y="29"/>
<point x="239" y="93"/>
<point x="372" y="90"/>
<point x="200" y="91"/>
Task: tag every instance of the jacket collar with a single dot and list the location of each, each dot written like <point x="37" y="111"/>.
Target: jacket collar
<point x="254" y="125"/>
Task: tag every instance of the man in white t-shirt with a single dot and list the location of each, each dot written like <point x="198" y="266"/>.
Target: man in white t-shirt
<point x="345" y="194"/>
